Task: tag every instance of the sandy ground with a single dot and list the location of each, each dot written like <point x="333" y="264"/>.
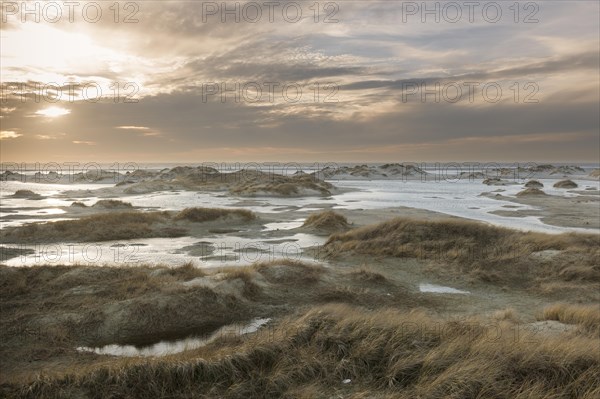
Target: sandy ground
<point x="581" y="211"/>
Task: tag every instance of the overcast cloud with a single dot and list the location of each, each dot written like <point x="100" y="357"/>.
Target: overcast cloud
<point x="377" y="85"/>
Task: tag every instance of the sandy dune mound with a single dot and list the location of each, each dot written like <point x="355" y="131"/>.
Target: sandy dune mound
<point x="112" y="204"/>
<point x="488" y="253"/>
<point x="496" y="181"/>
<point x="242" y="182"/>
<point x="530" y="191"/>
<point x="327" y="221"/>
<point x="471" y="175"/>
<point x="534" y="184"/>
<point x="122" y="225"/>
<point x="391" y="171"/>
<point x="548" y="169"/>
<point x="565" y="184"/>
<point x="295" y="186"/>
<point x="27" y="194"/>
<point x="52" y="177"/>
<point x="200" y="215"/>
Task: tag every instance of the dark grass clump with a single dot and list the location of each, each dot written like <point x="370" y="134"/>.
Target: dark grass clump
<point x="199" y="215"/>
<point x="530" y="191"/>
<point x="112" y="204"/>
<point x="328" y="221"/>
<point x="565" y="184"/>
<point x="101" y="227"/>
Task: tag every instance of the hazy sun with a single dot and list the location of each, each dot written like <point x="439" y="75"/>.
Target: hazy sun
<point x="53" y="112"/>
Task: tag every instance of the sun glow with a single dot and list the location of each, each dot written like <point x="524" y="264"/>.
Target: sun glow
<point x="53" y="112"/>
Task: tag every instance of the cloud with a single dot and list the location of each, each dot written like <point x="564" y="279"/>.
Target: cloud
<point x="133" y="127"/>
<point x="49" y="136"/>
<point x="144" y="130"/>
<point x="9" y="134"/>
<point x="53" y="112"/>
<point x="370" y="55"/>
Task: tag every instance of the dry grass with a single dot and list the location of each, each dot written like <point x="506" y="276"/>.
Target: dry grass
<point x="328" y="221"/>
<point x="565" y="184"/>
<point x="586" y="316"/>
<point x="101" y="227"/>
<point x="119" y="225"/>
<point x="489" y="253"/>
<point x="534" y="184"/>
<point x="279" y="271"/>
<point x="249" y="183"/>
<point x="185" y="272"/>
<point x="530" y="191"/>
<point x="366" y="274"/>
<point x="112" y="204"/>
<point x="506" y="314"/>
<point x="28" y="194"/>
<point x="384" y="354"/>
<point x="288" y="271"/>
<point x="47" y="311"/>
<point x="199" y="215"/>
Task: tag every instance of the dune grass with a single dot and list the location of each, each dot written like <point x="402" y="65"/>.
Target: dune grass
<point x="279" y="271"/>
<point x="382" y="354"/>
<point x="100" y="227"/>
<point x="489" y="253"/>
<point x="199" y="215"/>
<point x="28" y="194"/>
<point x="534" y="184"/>
<point x="587" y="316"/>
<point x="118" y="225"/>
<point x="327" y="220"/>
<point x="249" y="183"/>
<point x="366" y="274"/>
<point x="530" y="191"/>
<point x="112" y="204"/>
<point x="565" y="184"/>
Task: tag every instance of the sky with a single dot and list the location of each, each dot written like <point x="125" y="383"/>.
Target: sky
<point x="305" y="81"/>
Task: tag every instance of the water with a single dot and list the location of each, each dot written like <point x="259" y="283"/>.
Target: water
<point x="461" y="198"/>
<point x="440" y="289"/>
<point x="164" y="348"/>
<point x="226" y="251"/>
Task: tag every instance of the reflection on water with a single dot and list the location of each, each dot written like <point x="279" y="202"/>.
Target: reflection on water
<point x="283" y="225"/>
<point x="164" y="348"/>
<point x="213" y="251"/>
<point x="440" y="289"/>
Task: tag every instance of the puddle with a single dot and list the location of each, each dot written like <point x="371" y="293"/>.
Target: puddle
<point x="283" y="225"/>
<point x="165" y="348"/>
<point x="440" y="289"/>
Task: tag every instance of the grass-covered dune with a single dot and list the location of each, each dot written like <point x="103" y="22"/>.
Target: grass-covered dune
<point x="486" y="253"/>
<point x="120" y="225"/>
<point x="245" y="183"/>
<point x="357" y="327"/>
<point x="327" y="221"/>
<point x="342" y="351"/>
<point x="48" y="311"/>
